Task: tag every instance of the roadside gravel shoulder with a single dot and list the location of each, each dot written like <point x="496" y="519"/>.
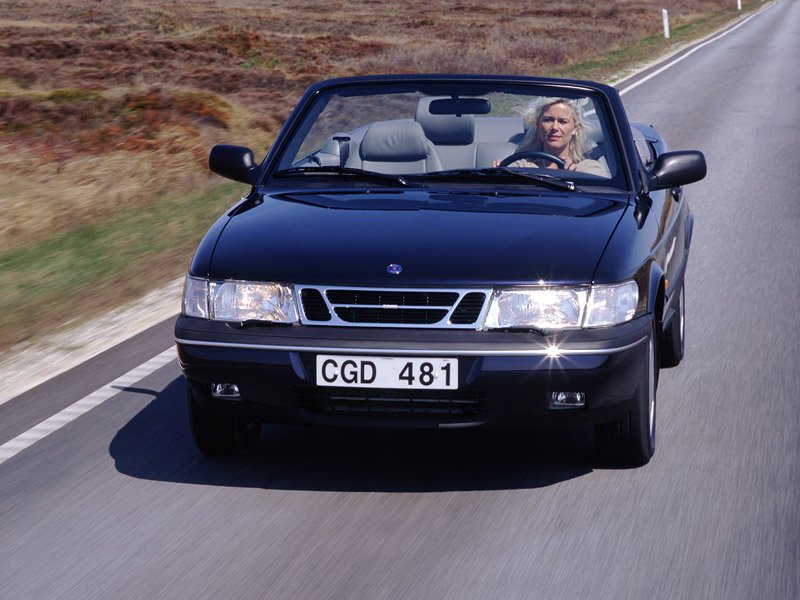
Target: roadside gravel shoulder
<point x="26" y="365"/>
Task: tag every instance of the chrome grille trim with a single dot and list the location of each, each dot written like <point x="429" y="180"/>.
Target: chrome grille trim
<point x="452" y="351"/>
<point x="414" y="308"/>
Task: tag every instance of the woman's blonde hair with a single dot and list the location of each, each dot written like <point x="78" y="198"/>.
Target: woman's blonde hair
<point x="531" y="115"/>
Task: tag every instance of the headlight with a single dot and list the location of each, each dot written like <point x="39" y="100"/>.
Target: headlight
<point x="249" y="301"/>
<point x="542" y="308"/>
<point x="563" y="307"/>
<point x="238" y="301"/>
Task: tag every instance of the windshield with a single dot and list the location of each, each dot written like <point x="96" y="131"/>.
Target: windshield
<point x="461" y="131"/>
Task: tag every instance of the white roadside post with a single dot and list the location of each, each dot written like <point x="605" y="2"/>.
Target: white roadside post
<point x="665" y="18"/>
<point x="739" y="4"/>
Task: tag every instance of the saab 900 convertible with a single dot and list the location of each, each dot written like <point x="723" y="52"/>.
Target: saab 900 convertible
<point x="443" y="251"/>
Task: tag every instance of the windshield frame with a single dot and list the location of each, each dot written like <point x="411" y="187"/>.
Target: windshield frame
<point x="607" y="105"/>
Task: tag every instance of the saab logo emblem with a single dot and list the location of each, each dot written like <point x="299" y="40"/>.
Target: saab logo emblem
<point x="394" y="269"/>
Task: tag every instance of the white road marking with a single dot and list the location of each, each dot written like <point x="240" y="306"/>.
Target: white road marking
<point x="689" y="53"/>
<point x="57" y="421"/>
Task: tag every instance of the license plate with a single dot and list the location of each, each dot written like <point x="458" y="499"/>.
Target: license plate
<point x="387" y="372"/>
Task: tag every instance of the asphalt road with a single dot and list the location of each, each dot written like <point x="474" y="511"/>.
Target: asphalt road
<point x="118" y="504"/>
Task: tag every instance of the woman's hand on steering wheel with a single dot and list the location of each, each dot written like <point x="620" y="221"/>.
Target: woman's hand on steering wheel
<point x="560" y="163"/>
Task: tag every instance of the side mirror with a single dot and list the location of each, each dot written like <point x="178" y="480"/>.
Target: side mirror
<point x="234" y="162"/>
<point x="672" y="169"/>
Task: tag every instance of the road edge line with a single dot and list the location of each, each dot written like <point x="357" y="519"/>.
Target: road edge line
<point x="40" y="431"/>
<point x="693" y="49"/>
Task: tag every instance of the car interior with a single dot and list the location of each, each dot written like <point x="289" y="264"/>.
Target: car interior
<point x="431" y="142"/>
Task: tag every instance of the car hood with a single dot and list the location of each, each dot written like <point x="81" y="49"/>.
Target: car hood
<point x="436" y="239"/>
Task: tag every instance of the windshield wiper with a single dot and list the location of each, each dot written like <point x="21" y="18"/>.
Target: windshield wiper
<point x="548" y="181"/>
<point x="361" y="173"/>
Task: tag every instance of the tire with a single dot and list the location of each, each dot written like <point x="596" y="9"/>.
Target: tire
<point x="630" y="441"/>
<point x="675" y="337"/>
<point x="218" y="435"/>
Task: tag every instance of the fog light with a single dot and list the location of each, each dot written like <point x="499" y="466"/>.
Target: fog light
<point x="225" y="391"/>
<point x="567" y="399"/>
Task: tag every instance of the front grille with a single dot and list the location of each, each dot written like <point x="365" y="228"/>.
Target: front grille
<point x="380" y="402"/>
<point x="468" y="309"/>
<point x="391" y="316"/>
<point x="374" y="307"/>
<point x="395" y="298"/>
<point x="314" y="306"/>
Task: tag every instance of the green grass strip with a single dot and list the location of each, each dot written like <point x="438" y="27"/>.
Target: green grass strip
<point x="602" y="67"/>
<point x="87" y="270"/>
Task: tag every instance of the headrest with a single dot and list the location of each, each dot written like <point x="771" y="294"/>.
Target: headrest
<point x="394" y="141"/>
<point x="594" y="133"/>
<point x="445" y="130"/>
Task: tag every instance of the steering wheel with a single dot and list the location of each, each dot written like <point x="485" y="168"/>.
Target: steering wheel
<point x="532" y="154"/>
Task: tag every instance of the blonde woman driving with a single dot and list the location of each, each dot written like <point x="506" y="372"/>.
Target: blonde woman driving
<point x="555" y="138"/>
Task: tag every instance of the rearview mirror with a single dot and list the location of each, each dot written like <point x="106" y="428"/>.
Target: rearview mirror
<point x="460" y="106"/>
<point x="233" y="162"/>
<point x="672" y="169"/>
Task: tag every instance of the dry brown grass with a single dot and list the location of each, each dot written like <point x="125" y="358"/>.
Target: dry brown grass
<point x="105" y="104"/>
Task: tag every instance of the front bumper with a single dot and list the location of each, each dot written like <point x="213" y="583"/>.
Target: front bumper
<point x="505" y="378"/>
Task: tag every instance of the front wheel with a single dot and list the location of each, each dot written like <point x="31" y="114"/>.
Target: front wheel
<point x="631" y="439"/>
<point x="218" y="435"/>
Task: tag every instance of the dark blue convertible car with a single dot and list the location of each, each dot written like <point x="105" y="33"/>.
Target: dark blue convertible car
<point x="443" y="251"/>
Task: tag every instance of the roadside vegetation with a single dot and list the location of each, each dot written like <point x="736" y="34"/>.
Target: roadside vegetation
<point x="108" y="110"/>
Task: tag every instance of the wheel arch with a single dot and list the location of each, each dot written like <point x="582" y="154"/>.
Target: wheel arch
<point x="656" y="294"/>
